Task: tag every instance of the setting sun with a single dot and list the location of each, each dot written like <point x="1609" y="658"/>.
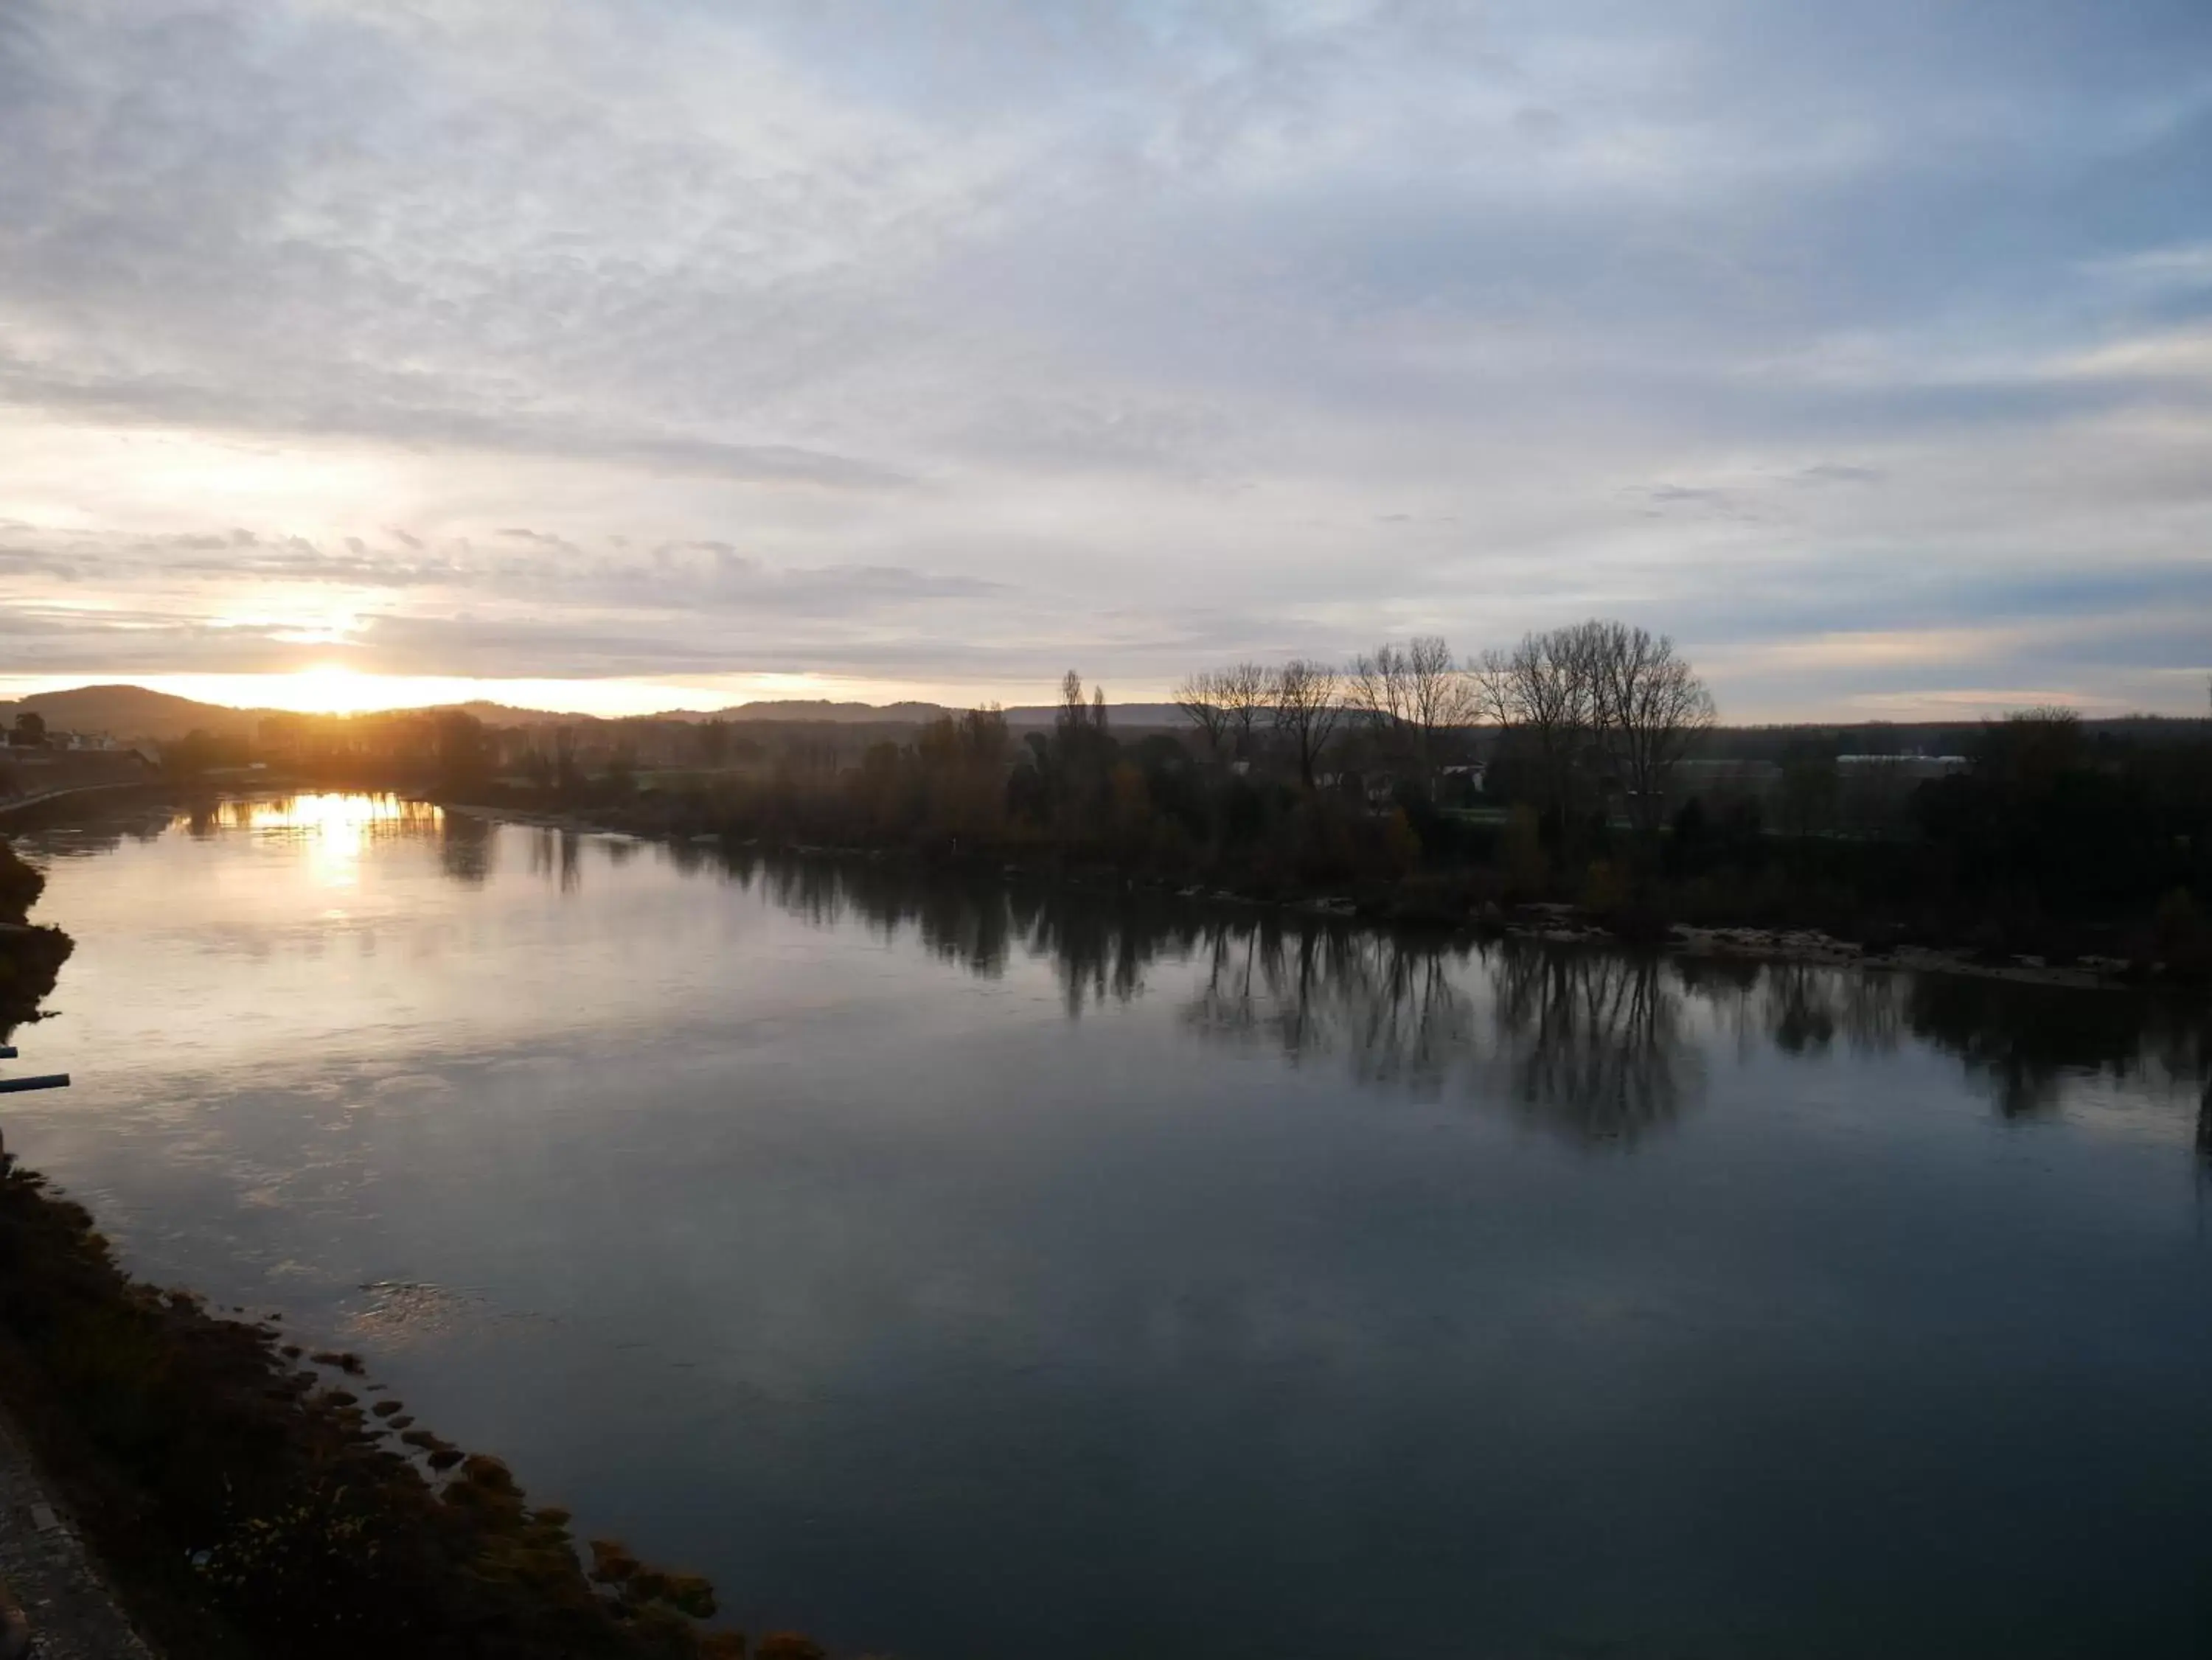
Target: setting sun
<point x="332" y="688"/>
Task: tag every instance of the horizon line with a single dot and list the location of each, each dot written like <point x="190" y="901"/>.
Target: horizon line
<point x="1971" y="708"/>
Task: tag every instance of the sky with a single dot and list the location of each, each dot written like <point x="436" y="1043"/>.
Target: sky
<point x="631" y="354"/>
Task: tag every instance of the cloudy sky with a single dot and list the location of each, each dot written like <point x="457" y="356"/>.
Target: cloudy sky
<point x="640" y="352"/>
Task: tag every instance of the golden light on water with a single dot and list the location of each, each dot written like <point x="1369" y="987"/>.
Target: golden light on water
<point x="344" y="816"/>
<point x="334" y="828"/>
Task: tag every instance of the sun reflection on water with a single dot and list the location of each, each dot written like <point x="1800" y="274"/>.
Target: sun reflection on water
<point x="334" y="828"/>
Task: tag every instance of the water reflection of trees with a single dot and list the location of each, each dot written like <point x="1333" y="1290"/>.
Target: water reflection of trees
<point x="1389" y="1005"/>
<point x="1601" y="1047"/>
<point x="1589" y="1044"/>
<point x="557" y="854"/>
<point x="464" y="848"/>
<point x="1594" y="1043"/>
<point x="1802" y="1010"/>
<point x="2025" y="1040"/>
<point x="2021" y="1041"/>
<point x="1100" y="946"/>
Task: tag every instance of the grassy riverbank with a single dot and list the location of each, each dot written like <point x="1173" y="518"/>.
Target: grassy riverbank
<point x="254" y="1501"/>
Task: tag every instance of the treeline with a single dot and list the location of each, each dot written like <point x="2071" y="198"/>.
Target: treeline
<point x="452" y="750"/>
<point x="1288" y="779"/>
<point x="1574" y="767"/>
<point x="1298" y="778"/>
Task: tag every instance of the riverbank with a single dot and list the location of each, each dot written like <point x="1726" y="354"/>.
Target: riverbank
<point x="254" y="1501"/>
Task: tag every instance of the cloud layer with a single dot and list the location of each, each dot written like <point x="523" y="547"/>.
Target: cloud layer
<point x="1868" y="349"/>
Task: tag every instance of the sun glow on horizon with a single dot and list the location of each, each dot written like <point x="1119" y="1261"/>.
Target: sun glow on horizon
<point x="332" y="688"/>
<point x="337" y="688"/>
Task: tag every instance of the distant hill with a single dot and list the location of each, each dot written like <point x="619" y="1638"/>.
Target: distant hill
<point x="820" y="709"/>
<point x="131" y="712"/>
<point x="1134" y="715"/>
<point x="134" y="712"/>
<point x="506" y="714"/>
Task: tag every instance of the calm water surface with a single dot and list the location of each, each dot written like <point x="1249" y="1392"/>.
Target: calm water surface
<point x="983" y="1275"/>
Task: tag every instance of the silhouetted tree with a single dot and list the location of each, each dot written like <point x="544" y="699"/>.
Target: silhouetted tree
<point x="1408" y="697"/>
<point x="1648" y="706"/>
<point x="1378" y="690"/>
<point x="1542" y="694"/>
<point x="464" y="753"/>
<point x="1307" y="708"/>
<point x="1205" y="704"/>
<point x="1442" y="694"/>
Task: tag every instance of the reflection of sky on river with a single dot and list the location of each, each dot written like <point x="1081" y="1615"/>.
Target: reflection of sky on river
<point x="1310" y="1292"/>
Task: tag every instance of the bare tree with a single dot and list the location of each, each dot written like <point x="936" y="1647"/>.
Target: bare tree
<point x="1204" y="703"/>
<point x="1442" y="695"/>
<point x="1649" y="705"/>
<point x="1543" y="693"/>
<point x="1307" y="709"/>
<point x="1245" y="690"/>
<point x="1071" y="716"/>
<point x="1378" y="689"/>
<point x="1410" y="696"/>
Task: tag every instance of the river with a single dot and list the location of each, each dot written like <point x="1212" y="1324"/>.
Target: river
<point x="984" y="1272"/>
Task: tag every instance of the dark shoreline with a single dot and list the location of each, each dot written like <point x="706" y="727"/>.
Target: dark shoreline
<point x="251" y="1499"/>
